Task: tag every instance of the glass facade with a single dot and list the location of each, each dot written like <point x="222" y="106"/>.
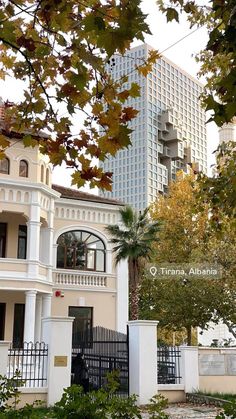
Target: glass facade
<point x="145" y="168"/>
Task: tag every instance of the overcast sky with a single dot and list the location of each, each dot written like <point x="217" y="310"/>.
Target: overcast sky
<point x="164" y="35"/>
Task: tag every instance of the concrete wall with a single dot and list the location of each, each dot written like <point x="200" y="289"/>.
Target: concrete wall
<point x="222" y="382"/>
<point x="103" y="304"/>
<point x="30" y="395"/>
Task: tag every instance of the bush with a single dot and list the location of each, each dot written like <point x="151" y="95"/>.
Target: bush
<point x="9" y="390"/>
<point x="75" y="404"/>
<point x="229" y="411"/>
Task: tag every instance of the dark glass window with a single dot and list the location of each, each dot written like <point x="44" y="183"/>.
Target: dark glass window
<point x="5" y="166"/>
<point x="18" y="328"/>
<point x="22" y="242"/>
<point x="23" y="168"/>
<point x="3" y="239"/>
<point x="80" y="250"/>
<point x="42" y="174"/>
<point x="82" y="325"/>
<point x="2" y="320"/>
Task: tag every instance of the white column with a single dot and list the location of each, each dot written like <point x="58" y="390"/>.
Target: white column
<point x="122" y="296"/>
<point x="143" y="359"/>
<point x="46" y="305"/>
<point x="38" y="318"/>
<point x="29" y="325"/>
<point x="109" y="261"/>
<point x="33" y="236"/>
<point x="189" y="368"/>
<point x="4" y="346"/>
<point x="57" y="333"/>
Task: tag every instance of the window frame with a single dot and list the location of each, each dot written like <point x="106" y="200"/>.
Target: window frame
<point x="65" y="248"/>
<point x="87" y="337"/>
<point x="3" y="247"/>
<point x="6" y="172"/>
<point x="25" y="168"/>
<point x="24" y="237"/>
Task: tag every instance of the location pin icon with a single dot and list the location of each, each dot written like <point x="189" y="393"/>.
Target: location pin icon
<point x="153" y="270"/>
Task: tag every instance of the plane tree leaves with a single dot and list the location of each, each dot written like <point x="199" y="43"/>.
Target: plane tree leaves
<point x="61" y="49"/>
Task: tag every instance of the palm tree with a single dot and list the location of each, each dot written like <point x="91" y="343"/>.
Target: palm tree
<point x="133" y="241"/>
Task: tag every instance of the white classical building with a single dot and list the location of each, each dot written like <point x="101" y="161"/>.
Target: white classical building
<point x="55" y="254"/>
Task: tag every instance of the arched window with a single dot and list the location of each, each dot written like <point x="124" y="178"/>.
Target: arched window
<point x="47" y="176"/>
<point x="23" y="168"/>
<point x="5" y="166"/>
<point x="80" y="250"/>
<point x="42" y="174"/>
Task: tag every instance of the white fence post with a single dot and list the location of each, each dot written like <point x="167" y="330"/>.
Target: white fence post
<point x="57" y="333"/>
<point x="4" y="346"/>
<point x="143" y="359"/>
<point x="189" y="368"/>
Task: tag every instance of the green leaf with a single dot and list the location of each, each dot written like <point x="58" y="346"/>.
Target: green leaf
<point x="172" y="14"/>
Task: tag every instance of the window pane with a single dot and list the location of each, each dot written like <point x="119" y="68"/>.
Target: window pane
<point x="4" y="166"/>
<point x="22" y="242"/>
<point x="80" y="255"/>
<point x="70" y="252"/>
<point x="23" y="169"/>
<point x="18" y="329"/>
<point x="60" y="257"/>
<point x="79" y="249"/>
<point x="3" y="237"/>
<point x="82" y="325"/>
<point x="90" y="259"/>
<point x="100" y="261"/>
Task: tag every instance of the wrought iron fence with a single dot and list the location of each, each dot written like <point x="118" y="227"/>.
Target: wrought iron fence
<point x="105" y="351"/>
<point x="168" y="365"/>
<point x="30" y="363"/>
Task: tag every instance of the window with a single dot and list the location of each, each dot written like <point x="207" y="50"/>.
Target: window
<point x="80" y="250"/>
<point x="42" y="174"/>
<point x="3" y="239"/>
<point x="22" y="242"/>
<point x="18" y="327"/>
<point x="23" y="168"/>
<point x="82" y="325"/>
<point x="5" y="166"/>
<point x="47" y="177"/>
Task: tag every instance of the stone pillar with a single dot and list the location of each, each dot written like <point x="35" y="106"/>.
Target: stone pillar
<point x="57" y="333"/>
<point x="189" y="368"/>
<point x="38" y="318"/>
<point x="29" y="325"/>
<point x="4" y="346"/>
<point x="46" y="305"/>
<point x="143" y="359"/>
<point x="122" y="296"/>
<point x="33" y="236"/>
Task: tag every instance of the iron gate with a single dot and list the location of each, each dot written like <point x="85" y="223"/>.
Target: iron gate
<point x="105" y="351"/>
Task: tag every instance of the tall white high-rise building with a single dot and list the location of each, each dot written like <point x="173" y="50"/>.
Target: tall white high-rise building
<point x="228" y="132"/>
<point x="168" y="134"/>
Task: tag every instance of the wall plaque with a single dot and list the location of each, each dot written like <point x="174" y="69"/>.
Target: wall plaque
<point x="231" y="364"/>
<point x="60" y="361"/>
<point x="212" y="365"/>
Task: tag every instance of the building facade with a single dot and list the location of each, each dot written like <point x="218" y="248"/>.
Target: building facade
<point x="168" y="134"/>
<point x="55" y="254"/>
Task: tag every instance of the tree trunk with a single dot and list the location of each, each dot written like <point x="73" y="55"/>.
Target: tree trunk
<point x="134" y="289"/>
<point x="134" y="303"/>
<point x="189" y="335"/>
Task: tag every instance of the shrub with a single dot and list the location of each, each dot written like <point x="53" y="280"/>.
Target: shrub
<point x="229" y="411"/>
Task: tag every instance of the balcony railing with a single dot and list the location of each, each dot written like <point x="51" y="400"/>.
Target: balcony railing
<point x="82" y="279"/>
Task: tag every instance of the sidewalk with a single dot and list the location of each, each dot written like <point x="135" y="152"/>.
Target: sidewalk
<point x="189" y="411"/>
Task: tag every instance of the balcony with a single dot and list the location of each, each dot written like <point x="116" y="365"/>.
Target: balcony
<point x="62" y="277"/>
